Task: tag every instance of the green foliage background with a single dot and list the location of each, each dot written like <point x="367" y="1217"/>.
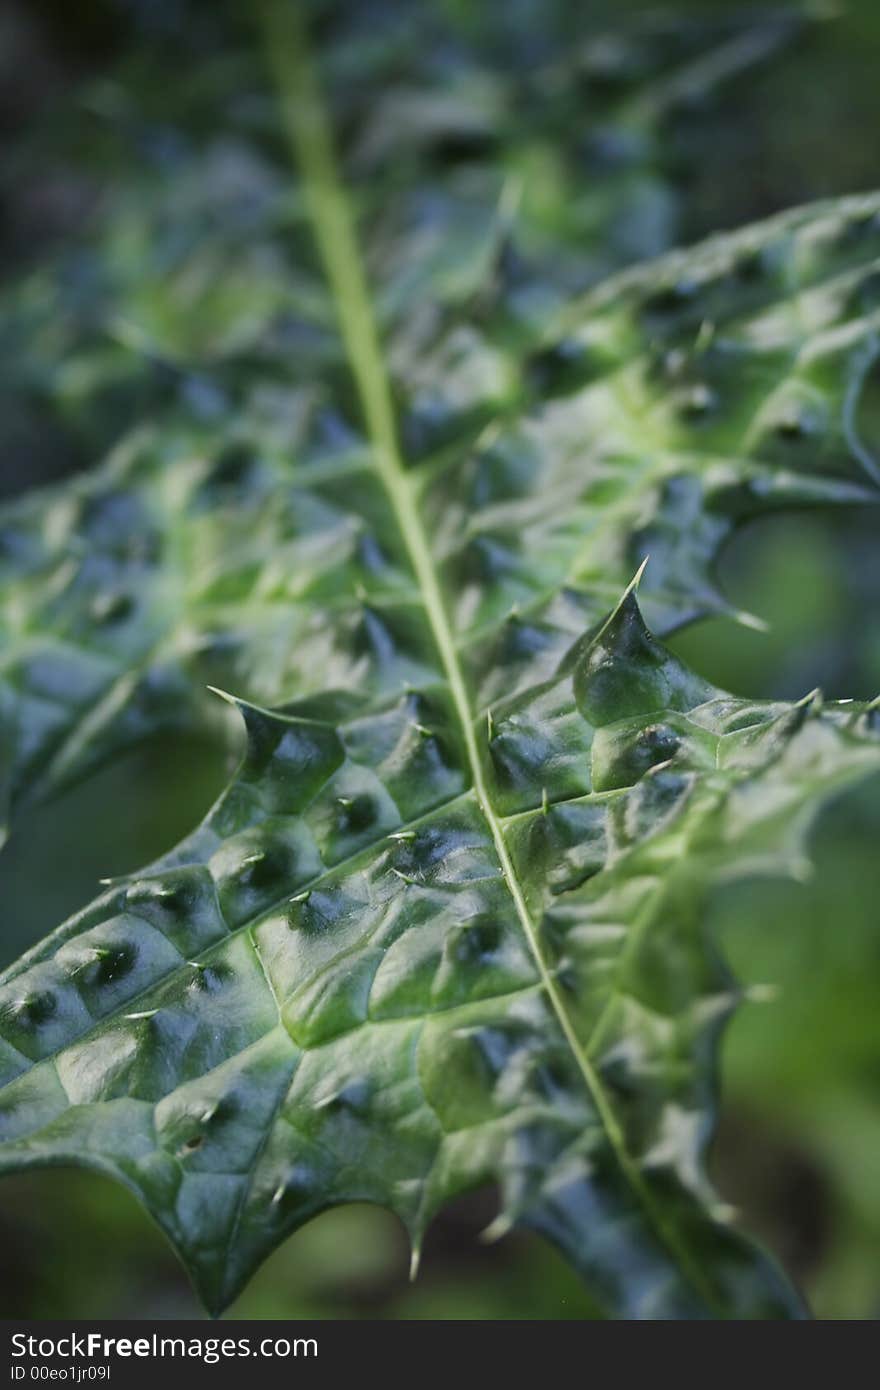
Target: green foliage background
<point x="801" y="1128"/>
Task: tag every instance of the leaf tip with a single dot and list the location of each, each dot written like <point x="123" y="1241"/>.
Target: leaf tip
<point x="224" y="695"/>
<point x="496" y="1230"/>
<point x="752" y="621"/>
<point x="813" y="702"/>
<point x="761" y="994"/>
<point x="633" y="585"/>
<point x="802" y="869"/>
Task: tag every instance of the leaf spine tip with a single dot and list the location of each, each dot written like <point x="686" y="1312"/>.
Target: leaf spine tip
<point x="224" y="695"/>
<point x="724" y="1212"/>
<point x="762" y="993"/>
<point x="636" y="580"/>
<point x="749" y="620"/>
<point x="801" y="869"/>
<point x="497" y="1229"/>
<point x="814" y="700"/>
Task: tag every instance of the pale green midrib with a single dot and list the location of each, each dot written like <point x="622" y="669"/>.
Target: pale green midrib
<point x="309" y="133"/>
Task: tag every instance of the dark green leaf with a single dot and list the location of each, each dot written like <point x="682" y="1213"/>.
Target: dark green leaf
<point x="445" y="926"/>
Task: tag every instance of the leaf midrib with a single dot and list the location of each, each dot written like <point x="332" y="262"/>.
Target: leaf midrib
<point x="308" y="129"/>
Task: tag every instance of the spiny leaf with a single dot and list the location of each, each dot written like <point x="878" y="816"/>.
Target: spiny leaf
<point x="237" y="539"/>
<point x="535" y="155"/>
<point x="444" y="926"/>
<point x="326" y="993"/>
<point x="653" y="416"/>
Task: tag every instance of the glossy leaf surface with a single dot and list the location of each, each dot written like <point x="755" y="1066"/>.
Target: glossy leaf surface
<point x="233" y="535"/>
<point x="444" y="927"/>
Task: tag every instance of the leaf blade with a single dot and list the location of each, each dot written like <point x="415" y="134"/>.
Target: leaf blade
<point x="335" y="960"/>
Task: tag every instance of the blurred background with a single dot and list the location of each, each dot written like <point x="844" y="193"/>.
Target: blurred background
<point x="798" y="1150"/>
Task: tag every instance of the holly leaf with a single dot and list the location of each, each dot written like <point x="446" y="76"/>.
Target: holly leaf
<point x="445" y="926"/>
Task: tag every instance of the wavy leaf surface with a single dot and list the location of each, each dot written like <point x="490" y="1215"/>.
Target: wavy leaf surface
<point x="234" y="535"/>
<point x="444" y="927"/>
